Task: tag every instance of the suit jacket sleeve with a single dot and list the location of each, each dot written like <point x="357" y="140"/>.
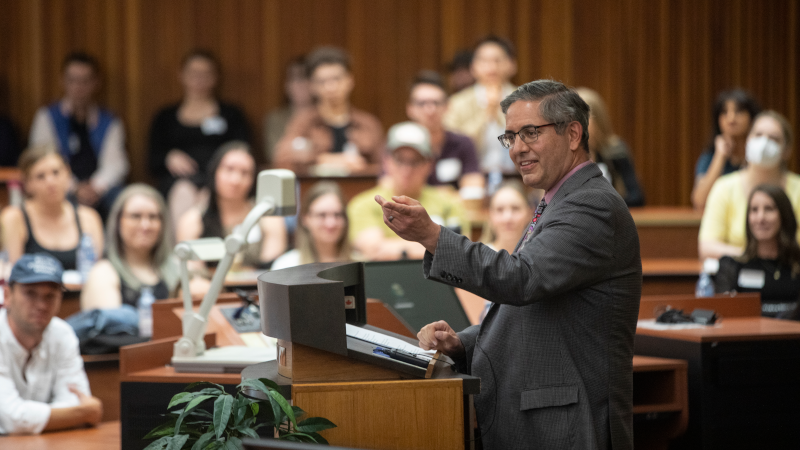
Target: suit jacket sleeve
<point x="572" y="249"/>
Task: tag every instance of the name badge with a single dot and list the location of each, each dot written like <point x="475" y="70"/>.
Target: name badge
<point x="752" y="279"/>
<point x="448" y="169"/>
<point x="214" y="125"/>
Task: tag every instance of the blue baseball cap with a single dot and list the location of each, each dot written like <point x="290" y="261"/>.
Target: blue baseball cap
<point x="36" y="268"/>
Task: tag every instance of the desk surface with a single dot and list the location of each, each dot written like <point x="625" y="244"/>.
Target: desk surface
<point x="671" y="267"/>
<point x="732" y="329"/>
<point x="105" y="436"/>
<point x="666" y="216"/>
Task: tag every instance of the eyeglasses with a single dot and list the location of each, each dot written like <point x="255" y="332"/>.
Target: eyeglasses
<point x="425" y="103"/>
<point x="528" y="134"/>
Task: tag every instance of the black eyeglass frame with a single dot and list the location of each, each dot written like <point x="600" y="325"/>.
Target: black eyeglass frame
<point x="526" y="128"/>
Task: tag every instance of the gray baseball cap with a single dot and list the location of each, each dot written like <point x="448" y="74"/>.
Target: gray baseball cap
<point x="36" y="268"/>
<point x="410" y="134"/>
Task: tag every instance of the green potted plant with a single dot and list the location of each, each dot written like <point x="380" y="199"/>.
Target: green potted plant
<point x="195" y="427"/>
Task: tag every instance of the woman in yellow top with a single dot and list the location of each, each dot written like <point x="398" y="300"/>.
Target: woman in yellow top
<point x="769" y="146"/>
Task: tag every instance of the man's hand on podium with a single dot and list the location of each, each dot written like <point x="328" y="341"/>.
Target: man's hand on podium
<point x="439" y="336"/>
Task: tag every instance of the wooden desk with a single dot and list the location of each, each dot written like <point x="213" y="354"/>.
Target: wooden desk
<point x="667" y="232"/>
<point x="744" y="381"/>
<point x="725" y="305"/>
<point x="661" y="276"/>
<point x="103" y="374"/>
<point x="660" y="401"/>
<point x="105" y="436"/>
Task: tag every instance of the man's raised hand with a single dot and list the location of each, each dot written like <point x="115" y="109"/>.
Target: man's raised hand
<point x="408" y="218"/>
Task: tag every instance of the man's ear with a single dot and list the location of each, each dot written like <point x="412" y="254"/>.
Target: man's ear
<point x="575" y="133"/>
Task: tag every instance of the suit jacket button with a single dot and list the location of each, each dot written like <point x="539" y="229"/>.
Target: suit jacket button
<point x="460" y="280"/>
<point x="443" y="274"/>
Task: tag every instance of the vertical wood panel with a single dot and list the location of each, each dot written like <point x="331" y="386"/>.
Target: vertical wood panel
<point x="658" y="64"/>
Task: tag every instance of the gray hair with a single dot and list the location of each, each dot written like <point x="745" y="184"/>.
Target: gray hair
<point x="559" y="104"/>
<point x="162" y="259"/>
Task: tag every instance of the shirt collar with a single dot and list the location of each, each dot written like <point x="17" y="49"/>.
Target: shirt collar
<point x="548" y="196"/>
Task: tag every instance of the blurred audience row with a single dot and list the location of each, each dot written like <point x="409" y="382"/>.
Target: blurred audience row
<point x="203" y="168"/>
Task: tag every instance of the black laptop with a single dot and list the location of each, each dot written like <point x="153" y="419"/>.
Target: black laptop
<point x="402" y="287"/>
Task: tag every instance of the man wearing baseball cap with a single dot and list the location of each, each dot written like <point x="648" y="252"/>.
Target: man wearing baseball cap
<point x="42" y="382"/>
<point x="407" y="163"/>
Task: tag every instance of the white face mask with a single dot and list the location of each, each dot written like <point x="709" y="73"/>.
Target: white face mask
<point x="763" y="151"/>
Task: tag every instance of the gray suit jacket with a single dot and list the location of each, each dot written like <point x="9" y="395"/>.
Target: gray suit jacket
<point x="555" y="351"/>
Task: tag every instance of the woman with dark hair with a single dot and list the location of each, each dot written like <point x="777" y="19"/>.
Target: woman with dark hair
<point x="769" y="147"/>
<point x="183" y="136"/>
<point x="732" y="116"/>
<point x="138" y="253"/>
<point x="231" y="183"/>
<point x="321" y="230"/>
<point x="771" y="260"/>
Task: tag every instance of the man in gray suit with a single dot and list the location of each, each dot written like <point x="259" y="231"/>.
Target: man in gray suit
<point x="555" y="350"/>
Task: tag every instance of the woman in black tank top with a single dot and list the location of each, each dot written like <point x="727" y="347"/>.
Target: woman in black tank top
<point x="48" y="222"/>
<point x="138" y="254"/>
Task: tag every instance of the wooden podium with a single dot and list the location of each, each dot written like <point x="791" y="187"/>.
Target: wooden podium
<point x="376" y="402"/>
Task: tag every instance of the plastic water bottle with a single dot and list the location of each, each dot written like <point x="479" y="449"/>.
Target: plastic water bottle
<point x="86" y="256"/>
<point x="494" y="181"/>
<point x="145" y="308"/>
<point x="705" y="286"/>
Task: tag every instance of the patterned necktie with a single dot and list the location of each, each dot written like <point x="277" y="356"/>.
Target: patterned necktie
<point x="529" y="231"/>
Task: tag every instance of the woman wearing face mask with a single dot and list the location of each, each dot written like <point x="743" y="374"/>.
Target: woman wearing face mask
<point x="322" y="232"/>
<point x="769" y="145"/>
<point x="732" y="115"/>
<point x="509" y="214"/>
<point x="771" y="260"/>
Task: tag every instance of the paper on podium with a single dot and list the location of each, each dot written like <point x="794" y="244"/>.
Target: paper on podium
<point x="383" y="340"/>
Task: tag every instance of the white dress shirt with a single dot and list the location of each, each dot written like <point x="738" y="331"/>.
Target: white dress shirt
<point x="54" y="365"/>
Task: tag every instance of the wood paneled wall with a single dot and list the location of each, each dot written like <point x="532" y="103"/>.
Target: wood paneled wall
<point x="658" y="63"/>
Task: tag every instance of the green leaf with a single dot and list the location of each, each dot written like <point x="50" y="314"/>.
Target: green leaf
<point x="319" y="439"/>
<point x="234" y="443"/>
<point x="203" y="441"/>
<point x="192" y="404"/>
<point x="284" y="405"/>
<point x="181" y="397"/>
<point x="248" y="431"/>
<point x="299" y="437"/>
<point x="270" y="383"/>
<point x="255" y="384"/>
<point x="254" y="407"/>
<point x="314" y="424"/>
<point x="203" y="383"/>
<point x="177" y="442"/>
<point x="165" y="429"/>
<point x="159" y="444"/>
<point x="222" y="413"/>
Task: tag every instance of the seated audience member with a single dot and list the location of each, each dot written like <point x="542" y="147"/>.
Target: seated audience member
<point x="47" y="222"/>
<point x="732" y="116"/>
<point x="610" y="152"/>
<point x="297" y="94"/>
<point x="509" y="215"/>
<point x="9" y="144"/>
<point x="475" y="111"/>
<point x="232" y="178"/>
<point x="185" y="135"/>
<point x="769" y="146"/>
<point x="333" y="132"/>
<point x="42" y="382"/>
<point x="459" y="76"/>
<point x="91" y="138"/>
<point x="321" y="234"/>
<point x="407" y="165"/>
<point x="138" y="253"/>
<point x="455" y="162"/>
<point x="771" y="260"/>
